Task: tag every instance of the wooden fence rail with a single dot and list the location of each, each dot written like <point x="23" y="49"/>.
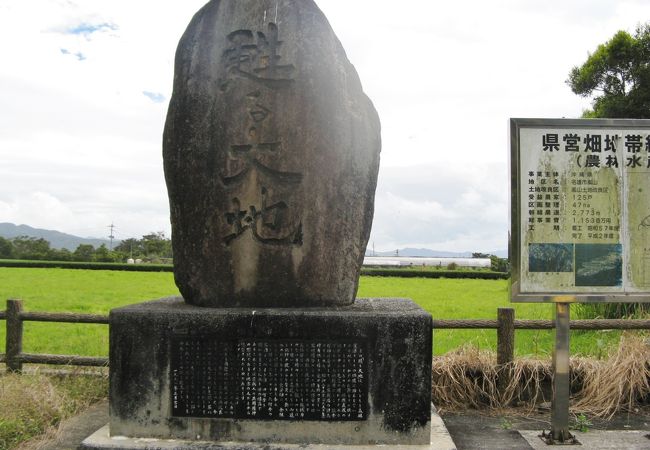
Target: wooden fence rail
<point x="63" y="317"/>
<point x="14" y="358"/>
<point x="527" y="324"/>
<point x="505" y="325"/>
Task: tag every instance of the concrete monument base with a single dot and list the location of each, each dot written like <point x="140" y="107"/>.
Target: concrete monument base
<point x="336" y="376"/>
<point x="440" y="440"/>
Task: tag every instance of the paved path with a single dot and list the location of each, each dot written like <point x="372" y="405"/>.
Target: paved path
<point x="473" y="431"/>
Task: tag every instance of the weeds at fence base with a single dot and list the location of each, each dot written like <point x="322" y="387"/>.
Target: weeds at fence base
<point x="469" y="378"/>
<point x="621" y="382"/>
<point x="32" y="404"/>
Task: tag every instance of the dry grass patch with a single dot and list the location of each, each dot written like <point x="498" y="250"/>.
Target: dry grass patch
<point x="469" y="378"/>
<point x="620" y="382"/>
<point x="34" y="404"/>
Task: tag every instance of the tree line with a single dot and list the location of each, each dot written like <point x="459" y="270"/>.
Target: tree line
<point x="153" y="247"/>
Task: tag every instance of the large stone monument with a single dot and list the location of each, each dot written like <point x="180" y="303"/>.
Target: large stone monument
<point x="271" y="154"/>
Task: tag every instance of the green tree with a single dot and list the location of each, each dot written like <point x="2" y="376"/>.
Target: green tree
<point x="499" y="264"/>
<point x="130" y="248"/>
<point x="6" y="249"/>
<point x="156" y="244"/>
<point x="153" y="247"/>
<point x="618" y="74"/>
<point x="31" y="248"/>
<point x="59" y="255"/>
<point x="102" y="254"/>
<point x="84" y="252"/>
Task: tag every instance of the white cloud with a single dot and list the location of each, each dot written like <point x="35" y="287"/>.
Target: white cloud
<point x="454" y="207"/>
<point x="38" y="209"/>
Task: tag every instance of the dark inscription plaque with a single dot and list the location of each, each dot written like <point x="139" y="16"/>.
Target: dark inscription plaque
<point x="269" y="379"/>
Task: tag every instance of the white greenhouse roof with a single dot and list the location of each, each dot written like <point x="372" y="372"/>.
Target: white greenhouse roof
<point x="416" y="261"/>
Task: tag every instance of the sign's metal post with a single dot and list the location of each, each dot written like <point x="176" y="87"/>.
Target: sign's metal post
<point x="561" y="389"/>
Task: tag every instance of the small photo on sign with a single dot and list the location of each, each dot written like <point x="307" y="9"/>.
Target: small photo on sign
<point x="599" y="264"/>
<point x="550" y="258"/>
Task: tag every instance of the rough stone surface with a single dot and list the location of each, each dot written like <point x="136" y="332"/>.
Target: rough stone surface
<point x="395" y="333"/>
<point x="271" y="153"/>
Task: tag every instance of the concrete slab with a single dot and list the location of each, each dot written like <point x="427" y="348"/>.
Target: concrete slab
<point x="596" y="440"/>
<point x="100" y="440"/>
<point x="505" y="429"/>
<point x="473" y="431"/>
<point x="75" y="429"/>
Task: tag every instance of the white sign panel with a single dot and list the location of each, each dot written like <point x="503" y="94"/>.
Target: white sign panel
<point x="581" y="210"/>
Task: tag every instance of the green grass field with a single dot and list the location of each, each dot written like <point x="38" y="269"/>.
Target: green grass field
<point x="97" y="291"/>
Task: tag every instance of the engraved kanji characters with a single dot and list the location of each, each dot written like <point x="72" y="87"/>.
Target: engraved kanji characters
<point x="254" y="58"/>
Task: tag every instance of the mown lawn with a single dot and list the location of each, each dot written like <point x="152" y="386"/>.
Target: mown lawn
<point x="97" y="291"/>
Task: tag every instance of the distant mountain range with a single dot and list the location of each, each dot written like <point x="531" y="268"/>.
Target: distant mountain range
<point x="427" y="253"/>
<point x="55" y="238"/>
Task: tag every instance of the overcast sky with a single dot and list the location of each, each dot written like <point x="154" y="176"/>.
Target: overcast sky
<point x="84" y="89"/>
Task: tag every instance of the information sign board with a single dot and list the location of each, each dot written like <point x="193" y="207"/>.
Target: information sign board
<point x="580" y="210"/>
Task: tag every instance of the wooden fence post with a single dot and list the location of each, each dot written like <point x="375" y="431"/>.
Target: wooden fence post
<point x="14" y="342"/>
<point x="505" y="335"/>
<point x="505" y="345"/>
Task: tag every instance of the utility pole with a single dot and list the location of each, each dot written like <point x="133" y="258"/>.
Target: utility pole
<point x="111" y="236"/>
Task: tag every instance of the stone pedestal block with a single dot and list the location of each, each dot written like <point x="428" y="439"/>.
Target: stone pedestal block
<point x="352" y="375"/>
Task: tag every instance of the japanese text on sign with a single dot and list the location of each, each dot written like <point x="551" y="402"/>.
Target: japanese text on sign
<point x="260" y="192"/>
<point x="583" y="209"/>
